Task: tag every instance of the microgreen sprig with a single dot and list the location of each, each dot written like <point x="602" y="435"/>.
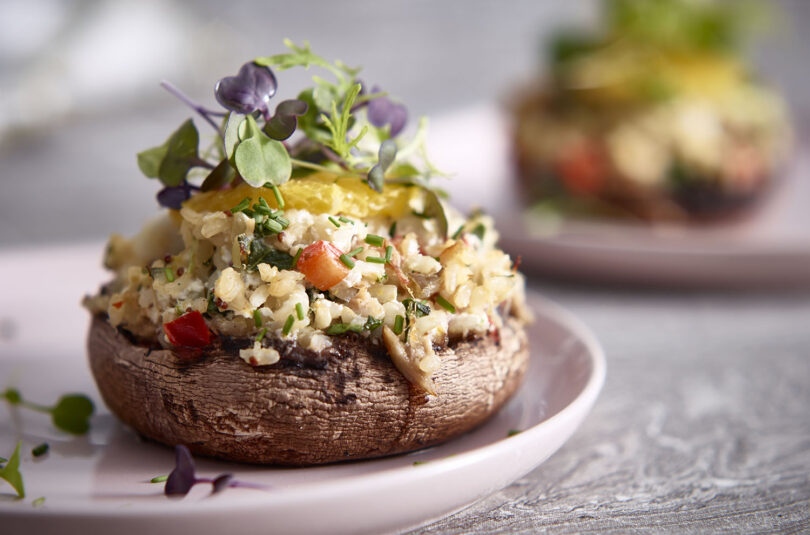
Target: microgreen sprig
<point x="184" y="476"/>
<point x="71" y="413"/>
<point x="11" y="472"/>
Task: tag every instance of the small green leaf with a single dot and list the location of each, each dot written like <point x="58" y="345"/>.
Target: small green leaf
<point x="149" y="160"/>
<point x="12" y="395"/>
<point x="159" y="479"/>
<point x="39" y="501"/>
<point x="171" y="161"/>
<point x="235" y="121"/>
<point x="219" y="176"/>
<point x="11" y="472"/>
<point x="72" y="414"/>
<point x="260" y="159"/>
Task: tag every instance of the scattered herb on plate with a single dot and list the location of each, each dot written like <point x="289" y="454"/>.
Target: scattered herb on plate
<point x="11" y="472"/>
<point x="71" y="413"/>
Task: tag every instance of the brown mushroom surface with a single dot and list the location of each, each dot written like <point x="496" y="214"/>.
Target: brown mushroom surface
<point x="354" y="404"/>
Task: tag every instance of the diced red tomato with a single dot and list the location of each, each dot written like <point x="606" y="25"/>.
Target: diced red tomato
<point x="320" y="263"/>
<point x="582" y="168"/>
<point x="189" y="330"/>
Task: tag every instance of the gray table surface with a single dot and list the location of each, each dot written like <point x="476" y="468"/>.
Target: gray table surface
<point x="702" y="425"/>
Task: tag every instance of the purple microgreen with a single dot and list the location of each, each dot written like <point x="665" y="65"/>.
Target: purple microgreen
<point x="180" y="481"/>
<point x="285" y="121"/>
<point x="173" y="196"/>
<point x="260" y="159"/>
<point x="221" y="483"/>
<point x="204" y="112"/>
<point x="221" y="175"/>
<point x="382" y="111"/>
<point x="11" y="472"/>
<point x="171" y="161"/>
<point x="386" y="155"/>
<point x="183" y="477"/>
<point x="249" y="91"/>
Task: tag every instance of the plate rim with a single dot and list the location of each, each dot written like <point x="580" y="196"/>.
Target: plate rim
<point x="578" y="407"/>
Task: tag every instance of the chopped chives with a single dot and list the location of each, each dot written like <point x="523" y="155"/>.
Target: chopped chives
<point x="375" y="259"/>
<point x="158" y="479"/>
<point x="169" y="274"/>
<point x="399" y="323"/>
<point x="299" y="311"/>
<point x="40" y="450"/>
<point x="445" y="304"/>
<point x="257" y="317"/>
<point x="288" y="325"/>
<point x="261" y="334"/>
<point x="347" y="261"/>
<point x="241" y="206"/>
<point x="334" y="221"/>
<point x="457" y="233"/>
<point x="296" y="257"/>
<point x="273" y="226"/>
<point x="345" y="220"/>
<point x="355" y="252"/>
<point x="393" y="229"/>
<point x="373" y="239"/>
<point x="279" y="198"/>
<point x="388" y="252"/>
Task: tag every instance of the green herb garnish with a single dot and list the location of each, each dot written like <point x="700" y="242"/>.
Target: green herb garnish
<point x="513" y="432"/>
<point x="392" y="230"/>
<point x="296" y="257"/>
<point x="355" y="252"/>
<point x="71" y="413"/>
<point x="388" y="252"/>
<point x="479" y="230"/>
<point x="375" y="259"/>
<point x="344" y="219"/>
<point x="373" y="239"/>
<point x="416" y="308"/>
<point x="257" y="318"/>
<point x="347" y="260"/>
<point x="288" y="325"/>
<point x="261" y="334"/>
<point x="399" y="323"/>
<point x="159" y="479"/>
<point x="243" y="204"/>
<point x="38" y="502"/>
<point x="457" y="233"/>
<point x="299" y="311"/>
<point x="445" y="304"/>
<point x="40" y="450"/>
<point x="334" y="221"/>
<point x="11" y="472"/>
<point x="169" y="274"/>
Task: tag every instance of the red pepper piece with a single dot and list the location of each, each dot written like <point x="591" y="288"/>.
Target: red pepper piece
<point x="189" y="330"/>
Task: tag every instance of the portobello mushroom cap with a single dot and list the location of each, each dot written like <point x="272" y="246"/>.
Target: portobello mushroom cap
<point x="353" y="404"/>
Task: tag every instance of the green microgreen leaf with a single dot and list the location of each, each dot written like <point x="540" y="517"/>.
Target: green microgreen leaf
<point x="72" y="413"/>
<point x="219" y="176"/>
<point x="38" y="502"/>
<point x="40" y="450"/>
<point x="159" y="479"/>
<point x="479" y="230"/>
<point x="171" y="161"/>
<point x="12" y="395"/>
<point x="11" y="472"/>
<point x="386" y="156"/>
<point x="338" y="125"/>
<point x="260" y="159"/>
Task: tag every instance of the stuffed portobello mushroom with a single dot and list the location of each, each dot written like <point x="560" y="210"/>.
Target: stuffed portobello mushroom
<point x="314" y="299"/>
<point x="654" y="117"/>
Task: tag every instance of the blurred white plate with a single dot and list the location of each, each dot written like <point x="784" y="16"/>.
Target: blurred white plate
<point x="770" y="248"/>
<point x="100" y="483"/>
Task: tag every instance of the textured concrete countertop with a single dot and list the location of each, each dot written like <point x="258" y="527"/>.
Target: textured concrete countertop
<point x="702" y="426"/>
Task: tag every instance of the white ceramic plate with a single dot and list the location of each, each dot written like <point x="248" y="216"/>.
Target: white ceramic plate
<point x="767" y="248"/>
<point x="101" y="480"/>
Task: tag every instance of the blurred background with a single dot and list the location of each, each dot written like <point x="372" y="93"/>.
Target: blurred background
<point x="79" y="92"/>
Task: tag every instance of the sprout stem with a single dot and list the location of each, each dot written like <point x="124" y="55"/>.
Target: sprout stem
<point x="204" y="113"/>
